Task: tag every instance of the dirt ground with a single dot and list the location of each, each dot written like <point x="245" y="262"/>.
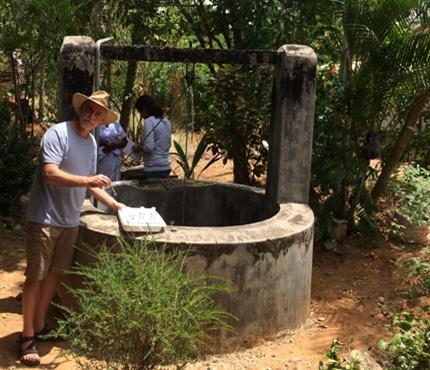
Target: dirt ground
<point x="355" y="290"/>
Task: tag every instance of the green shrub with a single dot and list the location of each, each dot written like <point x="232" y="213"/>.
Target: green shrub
<point x="139" y="309"/>
<point x="17" y="165"/>
<point x="418" y="272"/>
<point x="202" y="148"/>
<point x="409" y="347"/>
<point x="237" y="118"/>
<point x="335" y="362"/>
<point x="412" y="191"/>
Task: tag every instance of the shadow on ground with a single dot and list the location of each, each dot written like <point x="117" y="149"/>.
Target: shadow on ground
<point x="10" y="305"/>
<point x="9" y="358"/>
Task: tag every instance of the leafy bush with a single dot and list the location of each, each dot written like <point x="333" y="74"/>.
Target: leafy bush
<point x="409" y="348"/>
<point x="412" y="191"/>
<point x="418" y="148"/>
<point x="341" y="174"/>
<point x="139" y="309"/>
<point x="237" y="119"/>
<point x="418" y="271"/>
<point x="334" y="361"/>
<point x="17" y="165"/>
<point x="201" y="148"/>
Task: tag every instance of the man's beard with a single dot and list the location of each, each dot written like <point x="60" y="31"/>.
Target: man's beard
<point x="87" y="125"/>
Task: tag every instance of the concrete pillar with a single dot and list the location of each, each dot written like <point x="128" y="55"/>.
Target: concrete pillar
<point x="293" y="100"/>
<point x="77" y="72"/>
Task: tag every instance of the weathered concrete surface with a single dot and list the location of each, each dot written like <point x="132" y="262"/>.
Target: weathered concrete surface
<point x="268" y="262"/>
<point x="224" y="204"/>
<point x="293" y="101"/>
<point x="77" y="72"/>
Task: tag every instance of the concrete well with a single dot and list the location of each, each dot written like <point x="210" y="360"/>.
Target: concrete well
<point x="260" y="241"/>
<point x="266" y="257"/>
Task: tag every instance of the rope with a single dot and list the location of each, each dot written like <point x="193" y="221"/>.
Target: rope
<point x="189" y="78"/>
<point x="149" y="133"/>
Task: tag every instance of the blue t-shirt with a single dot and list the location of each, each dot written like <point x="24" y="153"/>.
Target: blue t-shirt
<point x="157" y="134"/>
<point x="57" y="205"/>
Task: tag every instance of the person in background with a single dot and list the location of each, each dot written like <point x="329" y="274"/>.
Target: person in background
<point x="156" y="138"/>
<point x="112" y="138"/>
<point x="68" y="157"/>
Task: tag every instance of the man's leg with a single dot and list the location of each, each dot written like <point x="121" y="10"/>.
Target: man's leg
<point x="61" y="261"/>
<point x="47" y="292"/>
<point x="29" y="304"/>
<point x="39" y="247"/>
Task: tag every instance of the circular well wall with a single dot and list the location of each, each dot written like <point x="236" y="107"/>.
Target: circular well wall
<point x="266" y="255"/>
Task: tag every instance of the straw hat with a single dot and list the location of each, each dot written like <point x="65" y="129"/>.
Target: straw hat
<point x="100" y="98"/>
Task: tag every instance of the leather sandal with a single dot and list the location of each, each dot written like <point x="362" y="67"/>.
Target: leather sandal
<point x="29" y="350"/>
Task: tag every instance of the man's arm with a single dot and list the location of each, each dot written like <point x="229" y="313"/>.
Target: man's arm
<point x="52" y="174"/>
<point x="101" y="195"/>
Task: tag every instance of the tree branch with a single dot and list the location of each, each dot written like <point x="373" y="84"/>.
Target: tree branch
<point x="401" y="143"/>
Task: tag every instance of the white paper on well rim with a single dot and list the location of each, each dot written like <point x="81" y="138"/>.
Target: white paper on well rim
<point x="141" y="219"/>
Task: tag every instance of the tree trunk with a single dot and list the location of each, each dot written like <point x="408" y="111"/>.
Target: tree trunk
<point x="240" y="165"/>
<point x="343" y="117"/>
<point x="137" y="38"/>
<point x="33" y="95"/>
<point x="399" y="147"/>
<point x="128" y="95"/>
<point x="41" y="90"/>
<point x="17" y="94"/>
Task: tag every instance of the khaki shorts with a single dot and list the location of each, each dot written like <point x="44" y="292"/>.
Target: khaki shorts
<point x="48" y="248"/>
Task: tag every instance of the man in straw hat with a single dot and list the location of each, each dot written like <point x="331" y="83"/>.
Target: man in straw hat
<point x="67" y="168"/>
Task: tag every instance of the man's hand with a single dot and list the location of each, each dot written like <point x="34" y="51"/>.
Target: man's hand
<point x="101" y="195"/>
<point x="116" y="206"/>
<point x="98" y="181"/>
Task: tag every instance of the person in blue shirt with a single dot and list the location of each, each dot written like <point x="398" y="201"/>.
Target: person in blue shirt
<point x="156" y="138"/>
<point x="112" y="138"/>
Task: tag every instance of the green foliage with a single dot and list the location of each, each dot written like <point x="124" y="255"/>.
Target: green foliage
<point x="252" y="24"/>
<point x="4" y="113"/>
<point x="411" y="188"/>
<point x="139" y="309"/>
<point x="419" y="146"/>
<point x="340" y="173"/>
<point x="409" y="347"/>
<point x="35" y="44"/>
<point x="334" y="360"/>
<point x="17" y="165"/>
<point x="418" y="272"/>
<point x="189" y="168"/>
<point x="237" y="118"/>
<point x="376" y="75"/>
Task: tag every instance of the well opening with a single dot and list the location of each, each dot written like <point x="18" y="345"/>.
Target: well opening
<point x="198" y="203"/>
